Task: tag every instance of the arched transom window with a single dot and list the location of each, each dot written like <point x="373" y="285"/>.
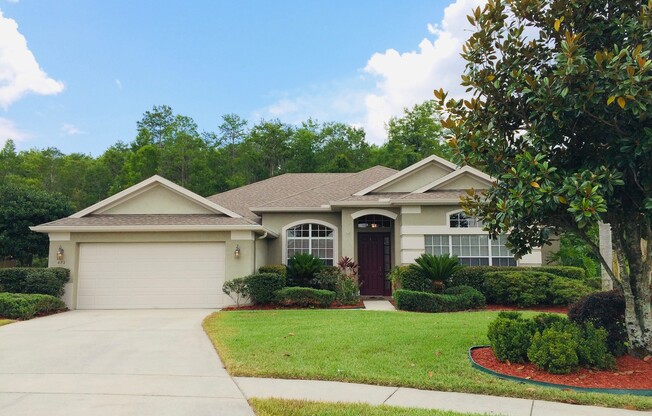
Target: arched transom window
<point x="315" y="239"/>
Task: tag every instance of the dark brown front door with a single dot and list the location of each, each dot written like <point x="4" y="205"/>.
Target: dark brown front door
<point x="374" y="261"/>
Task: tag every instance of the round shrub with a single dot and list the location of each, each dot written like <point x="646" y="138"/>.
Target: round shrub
<point x="326" y="279"/>
<point x="604" y="310"/>
<point x="517" y="288"/>
<point x="27" y="306"/>
<point x="301" y="268"/>
<point x="593" y="350"/>
<point x="273" y="268"/>
<point x="261" y="287"/>
<point x="466" y="297"/>
<point x="510" y="336"/>
<point x="544" y="321"/>
<point x="563" y="291"/>
<point x="412" y="279"/>
<point x="554" y="350"/>
<point x="304" y="296"/>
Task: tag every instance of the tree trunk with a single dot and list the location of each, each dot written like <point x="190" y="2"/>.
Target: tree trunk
<point x="635" y="260"/>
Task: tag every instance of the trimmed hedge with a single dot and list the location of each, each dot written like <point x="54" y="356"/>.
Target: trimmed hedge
<point x="474" y="276"/>
<point x="304" y="296"/>
<point x="27" y="306"/>
<point x="456" y="300"/>
<point x="44" y="281"/>
<point x="412" y="279"/>
<point x="261" y="287"/>
<point x="273" y="268"/>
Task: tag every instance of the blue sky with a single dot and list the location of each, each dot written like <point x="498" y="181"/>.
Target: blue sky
<point x="77" y="75"/>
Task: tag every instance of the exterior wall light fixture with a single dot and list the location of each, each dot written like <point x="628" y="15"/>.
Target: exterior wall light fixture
<point x="60" y="253"/>
<point x="236" y="253"/>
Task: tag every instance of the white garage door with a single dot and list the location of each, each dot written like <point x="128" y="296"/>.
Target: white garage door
<point x="150" y="275"/>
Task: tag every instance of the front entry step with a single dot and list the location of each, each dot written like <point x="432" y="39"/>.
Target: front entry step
<point x="378" y="305"/>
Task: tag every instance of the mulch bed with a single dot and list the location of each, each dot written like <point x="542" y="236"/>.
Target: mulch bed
<point x="335" y="305"/>
<point x="538" y="308"/>
<point x="630" y="372"/>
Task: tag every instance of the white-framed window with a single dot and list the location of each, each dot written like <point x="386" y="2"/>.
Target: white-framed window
<point x="316" y="239"/>
<point x="471" y="249"/>
<point x="461" y="220"/>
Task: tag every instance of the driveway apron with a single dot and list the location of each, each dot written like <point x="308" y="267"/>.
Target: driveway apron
<point x="123" y="362"/>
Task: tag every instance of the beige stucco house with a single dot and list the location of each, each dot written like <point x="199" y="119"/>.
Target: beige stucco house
<point x="158" y="245"/>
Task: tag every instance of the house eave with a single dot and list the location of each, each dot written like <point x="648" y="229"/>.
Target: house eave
<point x="257" y="210"/>
<point x="150" y="228"/>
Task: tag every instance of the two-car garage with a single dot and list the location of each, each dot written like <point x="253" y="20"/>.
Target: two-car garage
<point x="150" y="275"/>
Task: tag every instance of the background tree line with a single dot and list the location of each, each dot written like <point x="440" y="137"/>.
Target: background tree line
<point x="235" y="154"/>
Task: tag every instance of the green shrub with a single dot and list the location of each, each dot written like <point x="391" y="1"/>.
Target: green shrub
<point x="261" y="287"/>
<point x="604" y="310"/>
<point x="563" y="291"/>
<point x="593" y="350"/>
<point x="301" y="268"/>
<point x="396" y="276"/>
<point x="273" y="268"/>
<point x="474" y="276"/>
<point x="326" y="278"/>
<point x="304" y="296"/>
<point x="436" y="268"/>
<point x="347" y="291"/>
<point x="237" y="289"/>
<point x="570" y="272"/>
<point x="544" y="321"/>
<point x="510" y="337"/>
<point x="466" y="297"/>
<point x="44" y="281"/>
<point x="412" y="280"/>
<point x="517" y="288"/>
<point x="27" y="306"/>
<point x="554" y="350"/>
<point x="458" y="299"/>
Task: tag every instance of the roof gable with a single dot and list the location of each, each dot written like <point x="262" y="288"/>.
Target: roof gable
<point x="413" y="177"/>
<point x="155" y="195"/>
<point x="463" y="178"/>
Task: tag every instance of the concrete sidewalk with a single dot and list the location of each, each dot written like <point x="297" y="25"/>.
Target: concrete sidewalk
<point x="330" y="391"/>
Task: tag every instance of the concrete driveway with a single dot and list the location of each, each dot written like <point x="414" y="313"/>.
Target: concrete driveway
<point x="138" y="362"/>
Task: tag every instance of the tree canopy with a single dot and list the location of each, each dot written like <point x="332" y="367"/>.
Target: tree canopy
<point x="560" y="113"/>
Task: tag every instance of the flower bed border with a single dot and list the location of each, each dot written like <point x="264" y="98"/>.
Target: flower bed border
<point x="635" y="392"/>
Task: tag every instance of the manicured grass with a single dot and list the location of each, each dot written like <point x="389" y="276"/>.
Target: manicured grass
<point x="5" y="321"/>
<point x="278" y="407"/>
<point x="426" y="351"/>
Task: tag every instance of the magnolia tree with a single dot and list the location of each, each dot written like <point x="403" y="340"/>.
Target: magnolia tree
<point x="560" y="113"/>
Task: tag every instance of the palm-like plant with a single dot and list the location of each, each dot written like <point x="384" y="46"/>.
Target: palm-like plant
<point x="301" y="268"/>
<point x="436" y="268"/>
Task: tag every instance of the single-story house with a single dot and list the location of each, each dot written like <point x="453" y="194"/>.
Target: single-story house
<point x="159" y="245"/>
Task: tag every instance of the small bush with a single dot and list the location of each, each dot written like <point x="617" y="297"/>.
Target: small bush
<point x="604" y="310"/>
<point x="273" y="268"/>
<point x="570" y="272"/>
<point x="27" y="306"/>
<point x="458" y="299"/>
<point x="301" y="268"/>
<point x="261" y="287"/>
<point x="44" y="281"/>
<point x="554" y="350"/>
<point x="326" y="279"/>
<point x="510" y="336"/>
<point x="347" y="291"/>
<point x="563" y="291"/>
<point x="413" y="280"/>
<point x="304" y="296"/>
<point x="593" y="350"/>
<point x="466" y="297"/>
<point x="237" y="289"/>
<point x="517" y="288"/>
<point x="544" y="321"/>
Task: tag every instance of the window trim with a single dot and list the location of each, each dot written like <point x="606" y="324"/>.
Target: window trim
<point x="489" y="256"/>
<point x="457" y="211"/>
<point x="284" y="237"/>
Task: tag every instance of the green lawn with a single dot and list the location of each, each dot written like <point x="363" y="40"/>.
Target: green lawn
<point x="277" y="407"/>
<point x="5" y="321"/>
<point x="426" y="351"/>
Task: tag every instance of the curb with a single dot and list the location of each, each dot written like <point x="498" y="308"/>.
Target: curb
<point x="635" y="392"/>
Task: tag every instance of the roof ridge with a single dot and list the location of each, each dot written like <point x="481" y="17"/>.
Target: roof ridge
<point x="276" y="177"/>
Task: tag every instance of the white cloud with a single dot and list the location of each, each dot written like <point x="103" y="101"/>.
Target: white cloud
<point x="19" y="71"/>
<point x="71" y="130"/>
<point x="404" y="79"/>
<point x="118" y="83"/>
<point x="9" y="131"/>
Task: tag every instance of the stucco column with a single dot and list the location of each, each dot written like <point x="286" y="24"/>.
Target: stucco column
<point x="606" y="251"/>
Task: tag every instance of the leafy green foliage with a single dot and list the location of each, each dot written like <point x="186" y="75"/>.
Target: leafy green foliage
<point x="436" y="268"/>
<point x="604" y="310"/>
<point x="304" y="296"/>
<point x="24" y="206"/>
<point x="273" y="268"/>
<point x="326" y="279"/>
<point x="474" y="276"/>
<point x="412" y="279"/>
<point x="462" y="298"/>
<point x="302" y="268"/>
<point x="44" y="281"/>
<point x="27" y="306"/>
<point x="554" y="350"/>
<point x="237" y="289"/>
<point x="592" y="348"/>
<point x="510" y="336"/>
<point x="573" y="251"/>
<point x="347" y="290"/>
<point x="261" y="287"/>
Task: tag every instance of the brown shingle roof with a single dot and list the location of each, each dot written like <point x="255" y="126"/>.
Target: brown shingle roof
<point x="298" y="190"/>
<point x="150" y="219"/>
